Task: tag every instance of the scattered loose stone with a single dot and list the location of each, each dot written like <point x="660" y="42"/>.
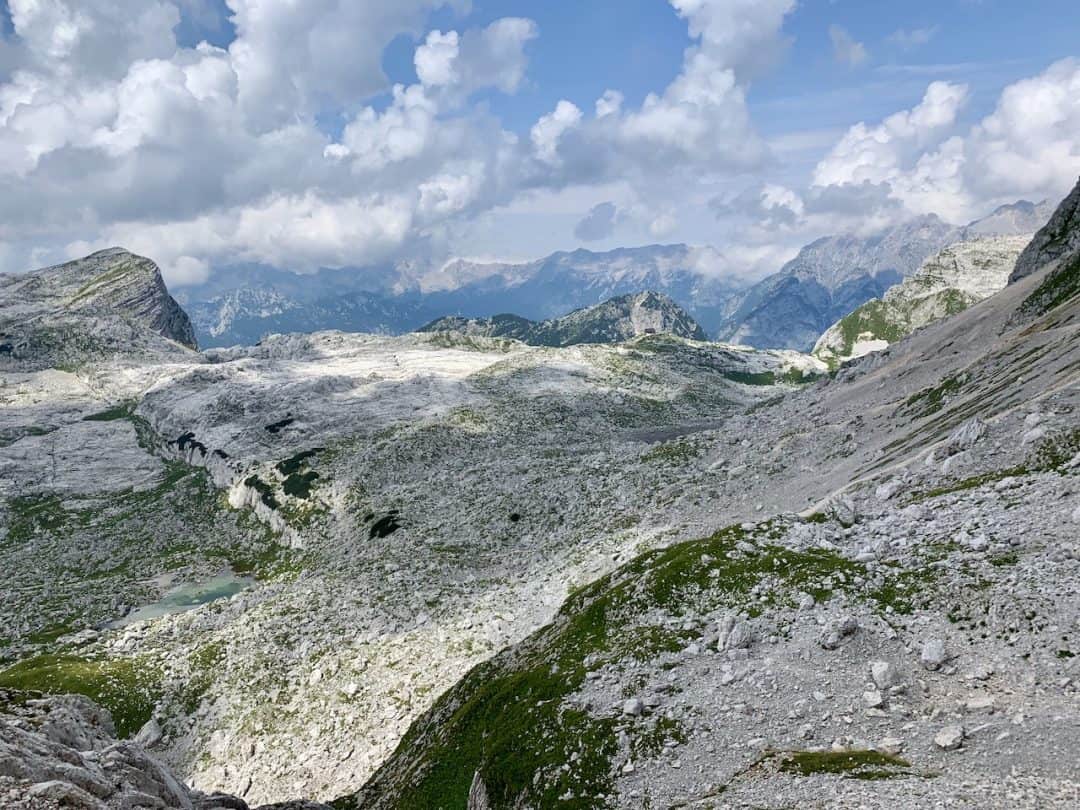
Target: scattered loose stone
<point x="933" y="654"/>
<point x="883" y="673"/>
<point x="836" y="631"/>
<point x="949" y="738"/>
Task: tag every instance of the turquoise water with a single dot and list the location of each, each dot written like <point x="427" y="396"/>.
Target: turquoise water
<point x="187" y="596"/>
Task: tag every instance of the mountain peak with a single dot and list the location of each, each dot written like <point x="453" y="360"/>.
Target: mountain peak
<point x="111" y="301"/>
<point x="612" y="321"/>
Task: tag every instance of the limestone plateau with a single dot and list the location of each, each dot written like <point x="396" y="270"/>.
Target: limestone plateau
<point x="450" y="569"/>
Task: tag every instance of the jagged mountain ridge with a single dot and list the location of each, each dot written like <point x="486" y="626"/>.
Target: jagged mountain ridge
<point x="947" y="283"/>
<point x="827" y="280"/>
<point x="613" y="321"/>
<point x="547" y="288"/>
<point x="834" y="275"/>
<point x="110" y="301"/>
<point x="244" y="316"/>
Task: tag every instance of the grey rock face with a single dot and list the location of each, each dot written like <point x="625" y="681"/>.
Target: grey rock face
<point x="965" y="436"/>
<point x="62" y="752"/>
<point x="1059" y="238"/>
<point x="107" y="303"/>
<point x="828" y="279"/>
<point x="612" y="321"/>
<point x="1018" y="219"/>
<point x="478" y="797"/>
<point x="949" y="282"/>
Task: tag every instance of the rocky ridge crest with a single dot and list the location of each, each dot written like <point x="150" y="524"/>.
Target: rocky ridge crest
<point x="111" y="301"/>
<point x="613" y="321"/>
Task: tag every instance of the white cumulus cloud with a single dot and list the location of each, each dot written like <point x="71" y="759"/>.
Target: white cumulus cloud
<point x="1028" y="147"/>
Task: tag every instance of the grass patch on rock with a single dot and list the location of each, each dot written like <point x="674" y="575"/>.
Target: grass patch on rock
<point x="675" y="453"/>
<point x="128" y="687"/>
<point x="931" y="400"/>
<point x="122" y="411"/>
<point x="855" y="764"/>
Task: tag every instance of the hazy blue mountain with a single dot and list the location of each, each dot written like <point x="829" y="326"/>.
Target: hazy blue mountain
<point x="790" y="309"/>
<point x="239" y="306"/>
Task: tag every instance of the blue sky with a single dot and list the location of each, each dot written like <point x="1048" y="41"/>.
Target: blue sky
<point x="865" y="113"/>
<point x="586" y="47"/>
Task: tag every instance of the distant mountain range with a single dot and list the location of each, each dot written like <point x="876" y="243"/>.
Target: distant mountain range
<point x="613" y="321"/>
<point x="240" y="306"/>
<point x="790" y="309"/>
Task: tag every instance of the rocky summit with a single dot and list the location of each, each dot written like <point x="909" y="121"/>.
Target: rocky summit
<point x="109" y="302"/>
<point x="613" y="321"/>
<point x="454" y="570"/>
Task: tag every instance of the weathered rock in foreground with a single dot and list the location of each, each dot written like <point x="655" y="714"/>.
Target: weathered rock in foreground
<point x="63" y="752"/>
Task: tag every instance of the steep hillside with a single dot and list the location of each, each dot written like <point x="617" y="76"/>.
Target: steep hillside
<point x="947" y="283"/>
<point x="1057" y="248"/>
<point x="82" y="310"/>
<point x="612" y="321"/>
<point x="1059" y="239"/>
<point x="901" y="633"/>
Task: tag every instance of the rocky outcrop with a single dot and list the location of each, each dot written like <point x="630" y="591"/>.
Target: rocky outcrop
<point x="614" y="321"/>
<point x="112" y="302"/>
<point x="116" y="281"/>
<point x="1059" y="238"/>
<point x="948" y="283"/>
<point x="63" y="752"/>
<point x="1055" y="253"/>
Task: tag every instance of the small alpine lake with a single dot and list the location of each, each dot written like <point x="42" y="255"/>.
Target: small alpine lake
<point x="188" y="596"/>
